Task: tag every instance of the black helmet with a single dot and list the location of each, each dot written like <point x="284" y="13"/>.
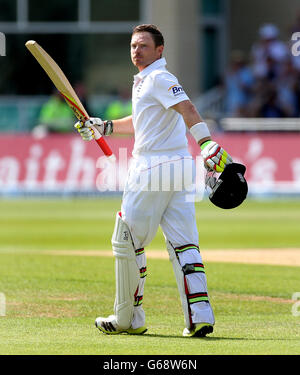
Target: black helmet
<point x="230" y="189"/>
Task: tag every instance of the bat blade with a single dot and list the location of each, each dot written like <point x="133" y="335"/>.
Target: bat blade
<point x="63" y="85"/>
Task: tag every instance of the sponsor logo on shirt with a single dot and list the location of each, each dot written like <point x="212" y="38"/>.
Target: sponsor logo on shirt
<point x="176" y="89"/>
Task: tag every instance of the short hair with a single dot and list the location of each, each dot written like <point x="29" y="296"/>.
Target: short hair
<point x="153" y="30"/>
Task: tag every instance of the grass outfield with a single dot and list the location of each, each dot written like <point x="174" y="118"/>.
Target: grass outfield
<point x="52" y="300"/>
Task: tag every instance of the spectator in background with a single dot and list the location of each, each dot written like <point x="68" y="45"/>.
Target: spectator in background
<point x="55" y="117"/>
<point x="269" y="53"/>
<point x="270" y="85"/>
<point x="266" y="102"/>
<point x="275" y="91"/>
<point x="297" y="93"/>
<point x="120" y="107"/>
<point x="239" y="83"/>
<point x="286" y="86"/>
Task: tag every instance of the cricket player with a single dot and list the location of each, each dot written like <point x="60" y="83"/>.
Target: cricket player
<point x="161" y="114"/>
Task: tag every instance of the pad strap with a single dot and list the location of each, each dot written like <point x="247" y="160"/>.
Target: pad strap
<point x="192" y="268"/>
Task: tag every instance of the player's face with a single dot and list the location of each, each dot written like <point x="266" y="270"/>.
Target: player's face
<point x="143" y="50"/>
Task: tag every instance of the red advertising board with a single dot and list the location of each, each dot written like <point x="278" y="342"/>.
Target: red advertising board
<point x="65" y="163"/>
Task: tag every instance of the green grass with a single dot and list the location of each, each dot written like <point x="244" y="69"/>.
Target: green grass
<point x="63" y="224"/>
<point x="52" y="300"/>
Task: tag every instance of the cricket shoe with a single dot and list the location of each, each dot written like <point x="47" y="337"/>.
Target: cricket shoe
<point x="110" y="327"/>
<point x="198" y="330"/>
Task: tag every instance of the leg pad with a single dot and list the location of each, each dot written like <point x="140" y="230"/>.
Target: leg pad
<point x="127" y="273"/>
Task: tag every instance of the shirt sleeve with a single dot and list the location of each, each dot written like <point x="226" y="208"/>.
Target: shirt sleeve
<point x="167" y="90"/>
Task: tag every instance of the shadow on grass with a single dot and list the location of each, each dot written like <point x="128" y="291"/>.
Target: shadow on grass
<point x="215" y="338"/>
<point x="192" y="338"/>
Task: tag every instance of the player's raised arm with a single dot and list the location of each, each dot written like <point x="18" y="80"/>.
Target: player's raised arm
<point x="215" y="157"/>
<point x="123" y="125"/>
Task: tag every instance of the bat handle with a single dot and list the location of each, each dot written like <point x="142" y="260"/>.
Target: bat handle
<point x="105" y="148"/>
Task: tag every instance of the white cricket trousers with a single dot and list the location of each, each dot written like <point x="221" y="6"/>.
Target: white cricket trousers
<point x="160" y="191"/>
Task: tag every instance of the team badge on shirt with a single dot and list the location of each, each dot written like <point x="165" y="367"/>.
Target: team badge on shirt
<point x="176" y="90"/>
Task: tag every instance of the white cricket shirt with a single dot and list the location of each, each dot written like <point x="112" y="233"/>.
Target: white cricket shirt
<point x="157" y="126"/>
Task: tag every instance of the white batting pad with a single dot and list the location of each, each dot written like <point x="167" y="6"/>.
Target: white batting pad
<point x="192" y="286"/>
<point x="179" y="276"/>
<point x="127" y="273"/>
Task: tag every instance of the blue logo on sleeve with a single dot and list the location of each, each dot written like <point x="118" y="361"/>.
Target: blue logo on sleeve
<point x="176" y="89"/>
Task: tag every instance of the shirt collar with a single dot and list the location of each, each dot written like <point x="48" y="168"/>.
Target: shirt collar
<point x="150" y="68"/>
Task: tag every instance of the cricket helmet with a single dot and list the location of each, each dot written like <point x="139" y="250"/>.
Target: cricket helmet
<point x="228" y="190"/>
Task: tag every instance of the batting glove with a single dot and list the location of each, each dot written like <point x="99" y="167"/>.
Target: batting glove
<point x="94" y="128"/>
<point x="215" y="157"/>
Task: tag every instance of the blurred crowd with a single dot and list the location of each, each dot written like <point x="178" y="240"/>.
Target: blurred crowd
<point x="267" y="82"/>
<point x="56" y="116"/>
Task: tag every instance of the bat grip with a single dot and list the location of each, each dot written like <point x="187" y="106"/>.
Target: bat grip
<point x="105" y="148"/>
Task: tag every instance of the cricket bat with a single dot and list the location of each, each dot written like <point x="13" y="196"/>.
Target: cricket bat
<point x="64" y="87"/>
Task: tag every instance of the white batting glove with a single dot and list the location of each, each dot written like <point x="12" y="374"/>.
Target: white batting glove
<point x="215" y="157"/>
<point x="94" y="128"/>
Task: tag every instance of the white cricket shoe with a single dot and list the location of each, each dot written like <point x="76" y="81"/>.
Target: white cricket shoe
<point x="110" y="327"/>
<point x="199" y="330"/>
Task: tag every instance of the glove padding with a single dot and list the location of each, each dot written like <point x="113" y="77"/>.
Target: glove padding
<point x="215" y="157"/>
<point x="94" y="128"/>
